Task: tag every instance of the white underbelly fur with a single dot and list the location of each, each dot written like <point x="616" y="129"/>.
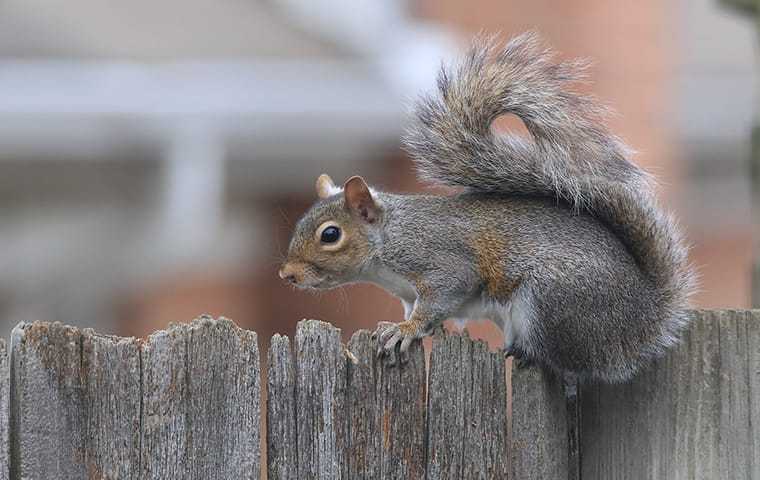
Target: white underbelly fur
<point x="512" y="317"/>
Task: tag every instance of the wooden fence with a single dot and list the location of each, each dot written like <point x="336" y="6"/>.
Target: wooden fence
<point x="186" y="403"/>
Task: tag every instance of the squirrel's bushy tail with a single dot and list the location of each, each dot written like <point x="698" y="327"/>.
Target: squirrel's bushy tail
<point x="571" y="155"/>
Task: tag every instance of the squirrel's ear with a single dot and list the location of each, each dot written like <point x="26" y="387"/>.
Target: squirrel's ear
<point x="359" y="199"/>
<point x="325" y="186"/>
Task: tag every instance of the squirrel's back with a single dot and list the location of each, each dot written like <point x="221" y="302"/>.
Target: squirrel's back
<point x="571" y="158"/>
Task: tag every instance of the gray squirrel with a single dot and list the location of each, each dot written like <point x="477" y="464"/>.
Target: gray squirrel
<point x="557" y="238"/>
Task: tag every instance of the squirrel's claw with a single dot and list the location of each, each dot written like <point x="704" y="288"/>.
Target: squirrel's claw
<point x="395" y="337"/>
<point x="403" y="357"/>
<point x="404" y="349"/>
<point x="383" y="333"/>
<point x="392" y="358"/>
<point x="389" y="336"/>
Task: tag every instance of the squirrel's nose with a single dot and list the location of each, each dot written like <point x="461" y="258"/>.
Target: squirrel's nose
<point x="286" y="273"/>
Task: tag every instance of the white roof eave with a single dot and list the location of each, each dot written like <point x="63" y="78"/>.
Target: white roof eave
<point x="60" y="104"/>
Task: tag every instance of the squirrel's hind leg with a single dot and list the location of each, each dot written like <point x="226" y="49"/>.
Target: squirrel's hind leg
<point x="519" y="359"/>
<point x="516" y="317"/>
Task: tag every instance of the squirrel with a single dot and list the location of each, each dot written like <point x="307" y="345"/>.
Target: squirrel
<point x="557" y="238"/>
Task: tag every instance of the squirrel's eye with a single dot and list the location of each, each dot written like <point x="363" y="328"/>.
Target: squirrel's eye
<point x="330" y="235"/>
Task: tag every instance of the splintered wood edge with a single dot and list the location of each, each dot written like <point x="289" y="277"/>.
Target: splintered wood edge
<point x="23" y="330"/>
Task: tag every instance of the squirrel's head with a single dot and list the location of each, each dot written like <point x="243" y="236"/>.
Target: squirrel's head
<point x="336" y="238"/>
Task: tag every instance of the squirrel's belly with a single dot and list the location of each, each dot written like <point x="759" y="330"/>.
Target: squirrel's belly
<point x="512" y="316"/>
<point x="479" y="309"/>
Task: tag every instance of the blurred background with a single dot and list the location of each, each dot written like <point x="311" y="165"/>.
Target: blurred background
<point x="154" y="156"/>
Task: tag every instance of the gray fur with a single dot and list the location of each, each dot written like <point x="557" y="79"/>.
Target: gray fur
<point x="600" y="273"/>
<point x="572" y="158"/>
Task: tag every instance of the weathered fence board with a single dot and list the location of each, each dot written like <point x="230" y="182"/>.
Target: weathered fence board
<point x="752" y="323"/>
<point x="201" y="408"/>
<point x="694" y="415"/>
<point x="467" y="411"/>
<point x="387" y="411"/>
<point x="321" y="423"/>
<point x="75" y="404"/>
<point x="165" y="397"/>
<point x="111" y="393"/>
<point x="224" y="411"/>
<point x="400" y="407"/>
<point x="185" y="404"/>
<point x="364" y="454"/>
<point x="355" y="417"/>
<point x="5" y="396"/>
<point x="46" y="421"/>
<point x="539" y="426"/>
<point x="282" y="459"/>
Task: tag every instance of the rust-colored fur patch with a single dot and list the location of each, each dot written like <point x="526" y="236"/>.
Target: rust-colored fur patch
<point x="410" y="327"/>
<point x="490" y="250"/>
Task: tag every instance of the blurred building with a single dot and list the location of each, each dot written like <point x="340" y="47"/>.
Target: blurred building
<point x="143" y="146"/>
<point x="154" y="156"/>
<point x="751" y="9"/>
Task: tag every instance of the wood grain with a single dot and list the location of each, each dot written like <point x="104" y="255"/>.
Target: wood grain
<point x="692" y="415"/>
<point x="5" y="395"/>
<point x="201" y="402"/>
<point x="467" y="410"/>
<point x="400" y="411"/>
<point x="353" y="416"/>
<point x="321" y="423"/>
<point x="387" y="412"/>
<point x="224" y="403"/>
<point x="539" y="426"/>
<point x="110" y="374"/>
<point x="365" y="435"/>
<point x="185" y="404"/>
<point x="282" y="460"/>
<point x="75" y="404"/>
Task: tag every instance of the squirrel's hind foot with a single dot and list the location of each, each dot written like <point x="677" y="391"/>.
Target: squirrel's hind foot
<point x="519" y="360"/>
<point x="522" y="363"/>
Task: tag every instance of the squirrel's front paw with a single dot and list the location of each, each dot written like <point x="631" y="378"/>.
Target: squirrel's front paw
<point x="389" y="334"/>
